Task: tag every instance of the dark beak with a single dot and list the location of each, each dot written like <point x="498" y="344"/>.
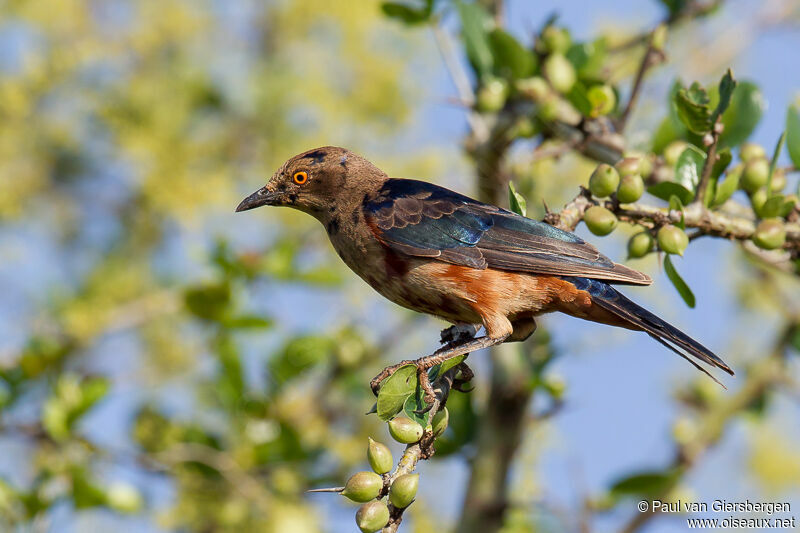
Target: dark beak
<point x="261" y="197"/>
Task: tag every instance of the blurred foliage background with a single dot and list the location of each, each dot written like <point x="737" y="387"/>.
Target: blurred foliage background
<point x="167" y="365"/>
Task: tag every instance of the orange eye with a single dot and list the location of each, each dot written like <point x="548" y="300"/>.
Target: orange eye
<point x="300" y="177"/>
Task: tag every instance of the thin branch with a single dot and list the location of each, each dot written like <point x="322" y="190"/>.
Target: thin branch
<point x="711" y="159"/>
<point x="652" y="57"/>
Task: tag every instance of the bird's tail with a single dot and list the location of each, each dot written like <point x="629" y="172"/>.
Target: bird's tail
<point x="637" y="317"/>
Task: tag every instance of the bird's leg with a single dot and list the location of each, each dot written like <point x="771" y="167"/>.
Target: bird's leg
<point x="459" y="333"/>
<point x="466" y="377"/>
<point x="429" y="361"/>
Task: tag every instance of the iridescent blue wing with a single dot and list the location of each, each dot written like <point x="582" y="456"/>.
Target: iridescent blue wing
<point x="425" y="220"/>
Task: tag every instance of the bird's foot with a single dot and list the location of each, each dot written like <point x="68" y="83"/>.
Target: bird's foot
<point x="465" y="375"/>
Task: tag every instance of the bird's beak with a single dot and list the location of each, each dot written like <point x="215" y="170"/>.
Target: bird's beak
<point x="261" y="197"/>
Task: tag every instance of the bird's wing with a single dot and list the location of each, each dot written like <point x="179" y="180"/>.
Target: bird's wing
<point x="424" y="220"/>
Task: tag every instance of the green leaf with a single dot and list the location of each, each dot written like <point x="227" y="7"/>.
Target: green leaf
<point x="675" y="204"/>
<point x="516" y="201"/>
<point x="727" y="188"/>
<point x="724" y="158"/>
<point x="693" y="109"/>
<point x="793" y="133"/>
<point x="681" y="286"/>
<point x="412" y="405"/>
<point x="745" y="110"/>
<point x="208" y="302"/>
<point x="726" y="87"/>
<point x="588" y="58"/>
<point x="666" y="189"/>
<point x="248" y="322"/>
<point x="773" y="206"/>
<point x="395" y="390"/>
<point x="444" y="366"/>
<point x="689" y="167"/>
<point x="408" y="14"/>
<point x="651" y="483"/>
<point x="578" y="96"/>
<point x="511" y="59"/>
<point x="475" y="21"/>
<point x="774" y="162"/>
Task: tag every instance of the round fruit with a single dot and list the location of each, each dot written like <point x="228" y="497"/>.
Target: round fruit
<point x="600" y="220"/>
<point x="404" y="490"/>
<point x="756" y="172"/>
<point x="640" y="244"/>
<point x="405" y="430"/>
<point x="758" y="198"/>
<point x="631" y="188"/>
<point x="751" y="151"/>
<point x="535" y="88"/>
<point x="604" y="180"/>
<point x="559" y="72"/>
<point x="770" y="234"/>
<point x="525" y="128"/>
<point x="672" y="239"/>
<point x="492" y="96"/>
<point x="628" y="166"/>
<point x="440" y="421"/>
<point x="673" y="151"/>
<point x="778" y="180"/>
<point x="602" y="99"/>
<point x="556" y="40"/>
<point x="379" y="457"/>
<point x="372" y="517"/>
<point x="363" y="486"/>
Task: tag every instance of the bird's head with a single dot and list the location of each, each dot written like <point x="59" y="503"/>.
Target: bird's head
<point x="317" y="181"/>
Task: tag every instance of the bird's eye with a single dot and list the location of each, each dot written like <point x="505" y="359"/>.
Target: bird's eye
<point x="300" y="177"/>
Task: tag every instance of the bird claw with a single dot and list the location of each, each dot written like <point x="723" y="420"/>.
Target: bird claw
<point x="458" y="333"/>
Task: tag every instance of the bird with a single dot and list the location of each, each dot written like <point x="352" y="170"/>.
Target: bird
<point x="438" y="252"/>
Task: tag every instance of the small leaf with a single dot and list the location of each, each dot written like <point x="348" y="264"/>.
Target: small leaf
<point x="248" y="322"/>
<point x="652" y="483"/>
<point x="516" y="201"/>
<point x="406" y="13"/>
<point x="793" y="132"/>
<point x="774" y="162"/>
<point x="681" y="286"/>
<point x="726" y="87"/>
<point x="727" y="188"/>
<point x="474" y="23"/>
<point x="411" y="407"/>
<point x="588" y="58"/>
<point x="772" y="207"/>
<point x="745" y="110"/>
<point x="444" y="366"/>
<point x="395" y="390"/>
<point x="675" y="204"/>
<point x="724" y="158"/>
<point x="693" y="109"/>
<point x="689" y="166"/>
<point x="666" y="189"/>
<point x="511" y="59"/>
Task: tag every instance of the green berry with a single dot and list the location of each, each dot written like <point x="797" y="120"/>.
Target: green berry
<point x="372" y="517"/>
<point x="404" y="490"/>
<point x="756" y="172"/>
<point x="535" y="88"/>
<point x="640" y="244"/>
<point x="559" y="72"/>
<point x="556" y="40"/>
<point x="628" y="166"/>
<point x="492" y="96"/>
<point x="673" y="151"/>
<point x="778" y="180"/>
<point x="405" y="430"/>
<point x="672" y="239"/>
<point x="604" y="180"/>
<point x="440" y="421"/>
<point x="600" y="220"/>
<point x="770" y="234"/>
<point x="602" y="99"/>
<point x="630" y="189"/>
<point x="758" y="198"/>
<point x="752" y="151"/>
<point x="363" y="486"/>
<point x="525" y="128"/>
<point x="659" y="38"/>
<point x="379" y="457"/>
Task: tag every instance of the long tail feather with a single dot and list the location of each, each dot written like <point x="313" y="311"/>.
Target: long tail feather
<point x="608" y="298"/>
